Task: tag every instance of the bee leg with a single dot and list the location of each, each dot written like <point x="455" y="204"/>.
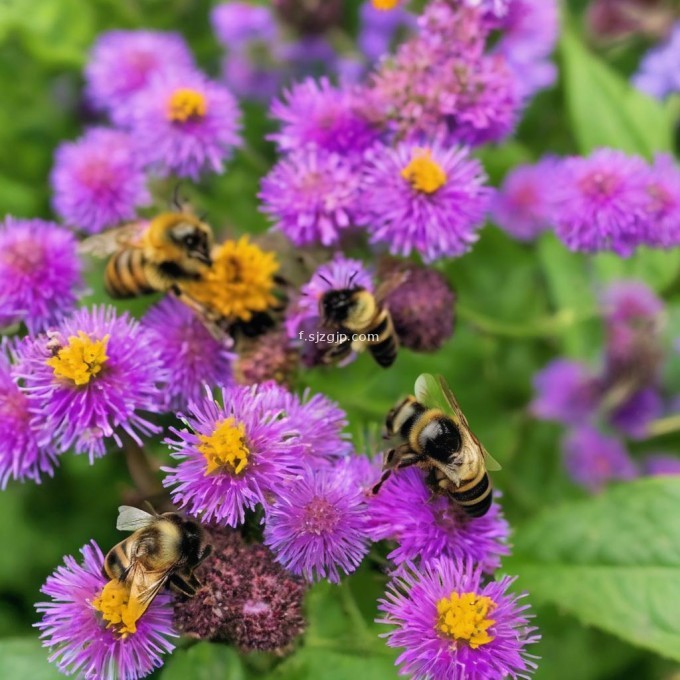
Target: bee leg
<point x="186" y="586"/>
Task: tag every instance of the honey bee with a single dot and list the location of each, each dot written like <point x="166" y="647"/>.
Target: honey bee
<point x="437" y="438"/>
<point x="353" y="310"/>
<point x="163" y="550"/>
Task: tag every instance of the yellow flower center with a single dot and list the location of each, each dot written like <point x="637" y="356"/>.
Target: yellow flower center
<point x="385" y="4"/>
<point x="226" y="446"/>
<point x="240" y="281"/>
<point x="463" y="617"/>
<point x="185" y="104"/>
<point x="117" y="609"/>
<point x="81" y="359"/>
<point x="423" y="172"/>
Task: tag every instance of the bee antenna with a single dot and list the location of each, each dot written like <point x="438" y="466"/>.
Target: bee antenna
<point x="176" y="202"/>
<point x="151" y="509"/>
<point x="383" y="479"/>
<point x="352" y="277"/>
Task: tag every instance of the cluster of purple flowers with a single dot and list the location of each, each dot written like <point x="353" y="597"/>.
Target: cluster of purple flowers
<point x="607" y="201"/>
<point x="618" y="400"/>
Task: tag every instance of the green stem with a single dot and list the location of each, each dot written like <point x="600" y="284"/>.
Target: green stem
<point x="663" y="426"/>
<point x="354" y="613"/>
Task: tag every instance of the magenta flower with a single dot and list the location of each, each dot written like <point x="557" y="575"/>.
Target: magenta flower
<point x="97" y="180"/>
<point x="317" y="526"/>
<point x="238" y="23"/>
<point x="658" y="464"/>
<point x="634" y="415"/>
<point x="79" y="626"/>
<point x="663" y="206"/>
<point x="40" y="273"/>
<point x="89" y="379"/>
<point x="452" y="626"/>
<point x="234" y="456"/>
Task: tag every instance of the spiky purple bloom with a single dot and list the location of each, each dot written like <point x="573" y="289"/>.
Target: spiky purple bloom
<point x="40" y="272"/>
<point x="426" y="526"/>
<point x="184" y="124"/>
<point x="184" y="344"/>
<point x="20" y="455"/>
<point x="206" y="480"/>
<point x="663" y="190"/>
<point x="317" y="113"/>
<point x="85" y="416"/>
<point x="313" y="196"/>
<point x="661" y="464"/>
<point x="593" y="459"/>
<point x="634" y="416"/>
<point x="411" y="606"/>
<point x="565" y="392"/>
<point x="522" y="205"/>
<point x="79" y="640"/>
<point x="335" y="274"/>
<point x="436" y="222"/>
<point x="238" y="23"/>
<point x="601" y="202"/>
<point x="122" y="63"/>
<point x="658" y="74"/>
<point x="97" y="180"/>
<point x="317" y="526"/>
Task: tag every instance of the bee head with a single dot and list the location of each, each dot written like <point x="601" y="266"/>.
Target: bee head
<point x="335" y="305"/>
<point x="194" y="239"/>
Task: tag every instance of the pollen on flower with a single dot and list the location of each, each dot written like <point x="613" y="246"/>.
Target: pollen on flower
<point x="226" y="446"/>
<point x="463" y="617"/>
<point x="185" y="104"/>
<point x="424" y="173"/>
<point x="240" y="281"/>
<point x="81" y="359"/>
<point x="117" y="608"/>
<point x="385" y="4"/>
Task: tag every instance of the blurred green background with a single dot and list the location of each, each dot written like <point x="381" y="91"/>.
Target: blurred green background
<point x="519" y="306"/>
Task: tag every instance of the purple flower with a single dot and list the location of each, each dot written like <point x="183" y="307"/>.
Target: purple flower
<point x="97" y="180"/>
<point x="312" y="195"/>
<point x="600" y="202"/>
<point x="39" y="272"/>
<point x="565" y="392"/>
<point x="379" y="29"/>
<point x="185" y="344"/>
<point x="316" y="113"/>
<point x="429" y="199"/>
<point x="234" y="456"/>
<point x="238" y="23"/>
<point x="88" y="380"/>
<point x="84" y="632"/>
<point x="317" y="526"/>
<point x="122" y="63"/>
<point x="630" y="302"/>
<point x="658" y="73"/>
<point x="20" y="455"/>
<point x="593" y="459"/>
<point x="663" y="205"/>
<point x="253" y="76"/>
<point x="522" y="205"/>
<point x="426" y="526"/>
<point x="661" y="464"/>
<point x="184" y="124"/>
<point x="634" y="416"/>
<point x="451" y="626"/>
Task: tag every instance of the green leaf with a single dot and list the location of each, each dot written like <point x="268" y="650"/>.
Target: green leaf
<point x="657" y="268"/>
<point x="204" y="661"/>
<point x="606" y="110"/>
<point x="26" y="658"/>
<point x="613" y="561"/>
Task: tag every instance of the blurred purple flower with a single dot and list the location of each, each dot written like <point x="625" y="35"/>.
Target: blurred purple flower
<point x="378" y="29"/>
<point x="658" y="74"/>
<point x="657" y="464"/>
<point x="663" y="190"/>
<point x="238" y="23"/>
<point x="634" y="416"/>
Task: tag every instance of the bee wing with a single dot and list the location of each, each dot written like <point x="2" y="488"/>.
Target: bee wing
<point x="144" y="586"/>
<point x="111" y="241"/>
<point x="389" y="285"/>
<point x="492" y="465"/>
<point x="131" y="519"/>
<point x="217" y="327"/>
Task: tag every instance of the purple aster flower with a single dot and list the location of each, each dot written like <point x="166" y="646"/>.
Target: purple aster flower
<point x="317" y="526"/>
<point x="334" y="274"/>
<point x="429" y="199"/>
<point x="184" y="124"/>
<point x="565" y="392"/>
<point x="658" y="74"/>
<point x="379" y="29"/>
<point x="97" y="180"/>
<point x="426" y="526"/>
<point x="83" y="630"/>
<point x="253" y="73"/>
<point x="522" y="206"/>
<point x="663" y="190"/>
<point x="634" y="416"/>
<point x="88" y="380"/>
<point x="451" y="626"/>
<point x="20" y="455"/>
<point x="122" y="63"/>
<point x="39" y="272"/>
<point x="313" y="196"/>
<point x="661" y="464"/>
<point x="238" y="23"/>
<point x="232" y="457"/>
<point x="316" y="113"/>
<point x="600" y="202"/>
<point x="184" y="344"/>
<point x="593" y="459"/>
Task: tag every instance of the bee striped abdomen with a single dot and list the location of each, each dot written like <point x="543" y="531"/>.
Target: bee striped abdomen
<point x="117" y="560"/>
<point x="475" y="497"/>
<point x="125" y="274"/>
<point x="384" y="349"/>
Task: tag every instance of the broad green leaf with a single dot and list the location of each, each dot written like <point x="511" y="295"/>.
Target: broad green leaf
<point x="204" y="661"/>
<point x="657" y="268"/>
<point x="25" y="658"/>
<point x="606" y="110"/>
<point x="613" y="561"/>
